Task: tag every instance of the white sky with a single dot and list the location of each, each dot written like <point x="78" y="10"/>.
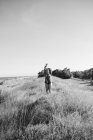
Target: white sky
<point x="35" y="32"/>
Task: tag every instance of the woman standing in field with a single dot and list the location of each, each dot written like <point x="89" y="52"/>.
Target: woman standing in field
<point x="48" y="78"/>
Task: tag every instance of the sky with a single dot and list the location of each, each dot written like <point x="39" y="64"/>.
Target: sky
<point x="36" y="32"/>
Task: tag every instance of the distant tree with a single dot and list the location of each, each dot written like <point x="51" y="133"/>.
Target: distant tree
<point x="41" y="74"/>
<point x="78" y="74"/>
<point x="86" y="74"/>
<point x="65" y="73"/>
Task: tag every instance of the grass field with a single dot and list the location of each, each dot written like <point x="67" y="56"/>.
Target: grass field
<point x="28" y="113"/>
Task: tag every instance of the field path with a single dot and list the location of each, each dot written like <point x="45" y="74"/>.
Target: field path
<point x="81" y="89"/>
<point x="75" y="85"/>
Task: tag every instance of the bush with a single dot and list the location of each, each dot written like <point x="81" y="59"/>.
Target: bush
<point x="86" y="74"/>
<point x="41" y="74"/>
<point x="78" y="74"/>
<point x="65" y="73"/>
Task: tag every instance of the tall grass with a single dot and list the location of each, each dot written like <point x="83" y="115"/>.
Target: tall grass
<point x="56" y="116"/>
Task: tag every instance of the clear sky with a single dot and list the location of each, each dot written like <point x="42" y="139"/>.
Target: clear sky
<point x="35" y="32"/>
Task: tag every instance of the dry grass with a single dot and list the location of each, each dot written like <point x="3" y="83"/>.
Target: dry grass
<point x="28" y="113"/>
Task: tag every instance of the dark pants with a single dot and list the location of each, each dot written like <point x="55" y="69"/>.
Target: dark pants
<point x="48" y="87"/>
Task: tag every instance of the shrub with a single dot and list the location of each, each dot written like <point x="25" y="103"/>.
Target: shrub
<point x="65" y="73"/>
<point x="86" y="74"/>
<point x="78" y="74"/>
<point x="41" y="74"/>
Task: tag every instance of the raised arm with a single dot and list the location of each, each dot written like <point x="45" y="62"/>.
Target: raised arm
<point x="45" y="67"/>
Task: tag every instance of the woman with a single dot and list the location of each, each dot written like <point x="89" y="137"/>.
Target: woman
<point x="48" y="78"/>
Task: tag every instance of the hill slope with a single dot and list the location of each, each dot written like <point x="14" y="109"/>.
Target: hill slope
<point x="27" y="112"/>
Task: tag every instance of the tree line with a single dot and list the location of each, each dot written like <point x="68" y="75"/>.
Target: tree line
<point x="67" y="74"/>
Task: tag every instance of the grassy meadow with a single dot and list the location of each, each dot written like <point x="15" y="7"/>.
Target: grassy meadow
<point x="28" y="113"/>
